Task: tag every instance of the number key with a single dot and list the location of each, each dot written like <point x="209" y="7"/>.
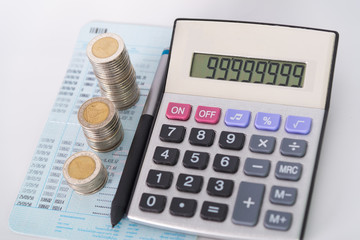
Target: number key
<point x="196" y="160"/>
<point x="220" y="187"/>
<point x="189" y="183"/>
<point x="159" y="179"/>
<point x="226" y="163"/>
<point x="201" y="137"/>
<point x="172" y="133"/>
<point x="152" y="203"/>
<point x="166" y="156"/>
<point x="231" y="140"/>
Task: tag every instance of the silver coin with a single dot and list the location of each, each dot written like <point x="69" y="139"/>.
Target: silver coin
<point x="85" y="173"/>
<point x="111" y="64"/>
<point x="101" y="124"/>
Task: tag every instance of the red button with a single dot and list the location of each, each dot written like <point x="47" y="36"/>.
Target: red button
<point x="178" y="111"/>
<point x="210" y="115"/>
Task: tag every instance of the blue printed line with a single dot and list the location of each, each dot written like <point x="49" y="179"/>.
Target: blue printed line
<point x="67" y="205"/>
<point x="73" y="217"/>
<point x="68" y="228"/>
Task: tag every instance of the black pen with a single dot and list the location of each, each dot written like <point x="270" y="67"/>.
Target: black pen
<point x="123" y="193"/>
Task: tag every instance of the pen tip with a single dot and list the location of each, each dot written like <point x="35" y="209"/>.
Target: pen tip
<point x="113" y="225"/>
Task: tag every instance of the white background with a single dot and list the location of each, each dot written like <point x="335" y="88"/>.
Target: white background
<point x="36" y="44"/>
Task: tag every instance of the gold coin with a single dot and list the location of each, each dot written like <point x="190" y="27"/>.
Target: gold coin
<point x="81" y="167"/>
<point x="105" y="47"/>
<point x="96" y="112"/>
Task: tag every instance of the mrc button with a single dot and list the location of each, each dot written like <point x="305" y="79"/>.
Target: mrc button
<point x="209" y="115"/>
<point x="288" y="171"/>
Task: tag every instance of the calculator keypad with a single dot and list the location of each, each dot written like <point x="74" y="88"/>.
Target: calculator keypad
<point x="226" y="163"/>
<point x="288" y="171"/>
<point x="248" y="203"/>
<point x="159" y="179"/>
<point x="209" y="115"/>
<point x="231" y="140"/>
<point x="172" y="133"/>
<point x="202" y="137"/>
<point x="283" y="195"/>
<point x="298" y="125"/>
<point x="214" y="211"/>
<point x="183" y="207"/>
<point x="189" y="183"/>
<point x="293" y="147"/>
<point x="166" y="156"/>
<point x="242" y="167"/>
<point x="178" y="111"/>
<point x="220" y="187"/>
<point x="237" y="118"/>
<point x="267" y="121"/>
<point x="262" y="144"/>
<point x="196" y="160"/>
<point x="152" y="203"/>
<point x="278" y="220"/>
<point x="257" y="167"/>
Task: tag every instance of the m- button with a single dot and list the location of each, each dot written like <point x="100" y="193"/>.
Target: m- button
<point x="209" y="115"/>
<point x="283" y="195"/>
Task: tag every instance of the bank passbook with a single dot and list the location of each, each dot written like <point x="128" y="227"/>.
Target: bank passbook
<point x="236" y="141"/>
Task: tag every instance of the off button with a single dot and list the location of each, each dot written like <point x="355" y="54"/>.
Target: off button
<point x="209" y="115"/>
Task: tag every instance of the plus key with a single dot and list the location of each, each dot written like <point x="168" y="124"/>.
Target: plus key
<point x="248" y="203"/>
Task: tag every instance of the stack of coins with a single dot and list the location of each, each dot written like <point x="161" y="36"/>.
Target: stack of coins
<point x="85" y="173"/>
<point x="101" y="124"/>
<point x="112" y="67"/>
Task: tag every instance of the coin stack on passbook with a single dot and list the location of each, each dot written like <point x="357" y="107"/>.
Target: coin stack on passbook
<point x="112" y="67"/>
<point x="101" y="124"/>
<point x="85" y="173"/>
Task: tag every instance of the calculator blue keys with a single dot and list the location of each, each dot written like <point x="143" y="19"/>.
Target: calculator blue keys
<point x="236" y="141"/>
<point x="237" y="118"/>
<point x="267" y="121"/>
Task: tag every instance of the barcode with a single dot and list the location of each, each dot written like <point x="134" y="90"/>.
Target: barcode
<point x="98" y="30"/>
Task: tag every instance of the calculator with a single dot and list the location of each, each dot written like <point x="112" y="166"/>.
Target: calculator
<point x="235" y="145"/>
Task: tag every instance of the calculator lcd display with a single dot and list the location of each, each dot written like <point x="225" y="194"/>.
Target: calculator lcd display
<point x="251" y="70"/>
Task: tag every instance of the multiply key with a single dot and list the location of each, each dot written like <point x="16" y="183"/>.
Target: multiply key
<point x="262" y="144"/>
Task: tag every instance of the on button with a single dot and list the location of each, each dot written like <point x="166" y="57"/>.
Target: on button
<point x="178" y="111"/>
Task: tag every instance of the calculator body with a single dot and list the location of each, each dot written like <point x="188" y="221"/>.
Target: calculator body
<point x="234" y="148"/>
